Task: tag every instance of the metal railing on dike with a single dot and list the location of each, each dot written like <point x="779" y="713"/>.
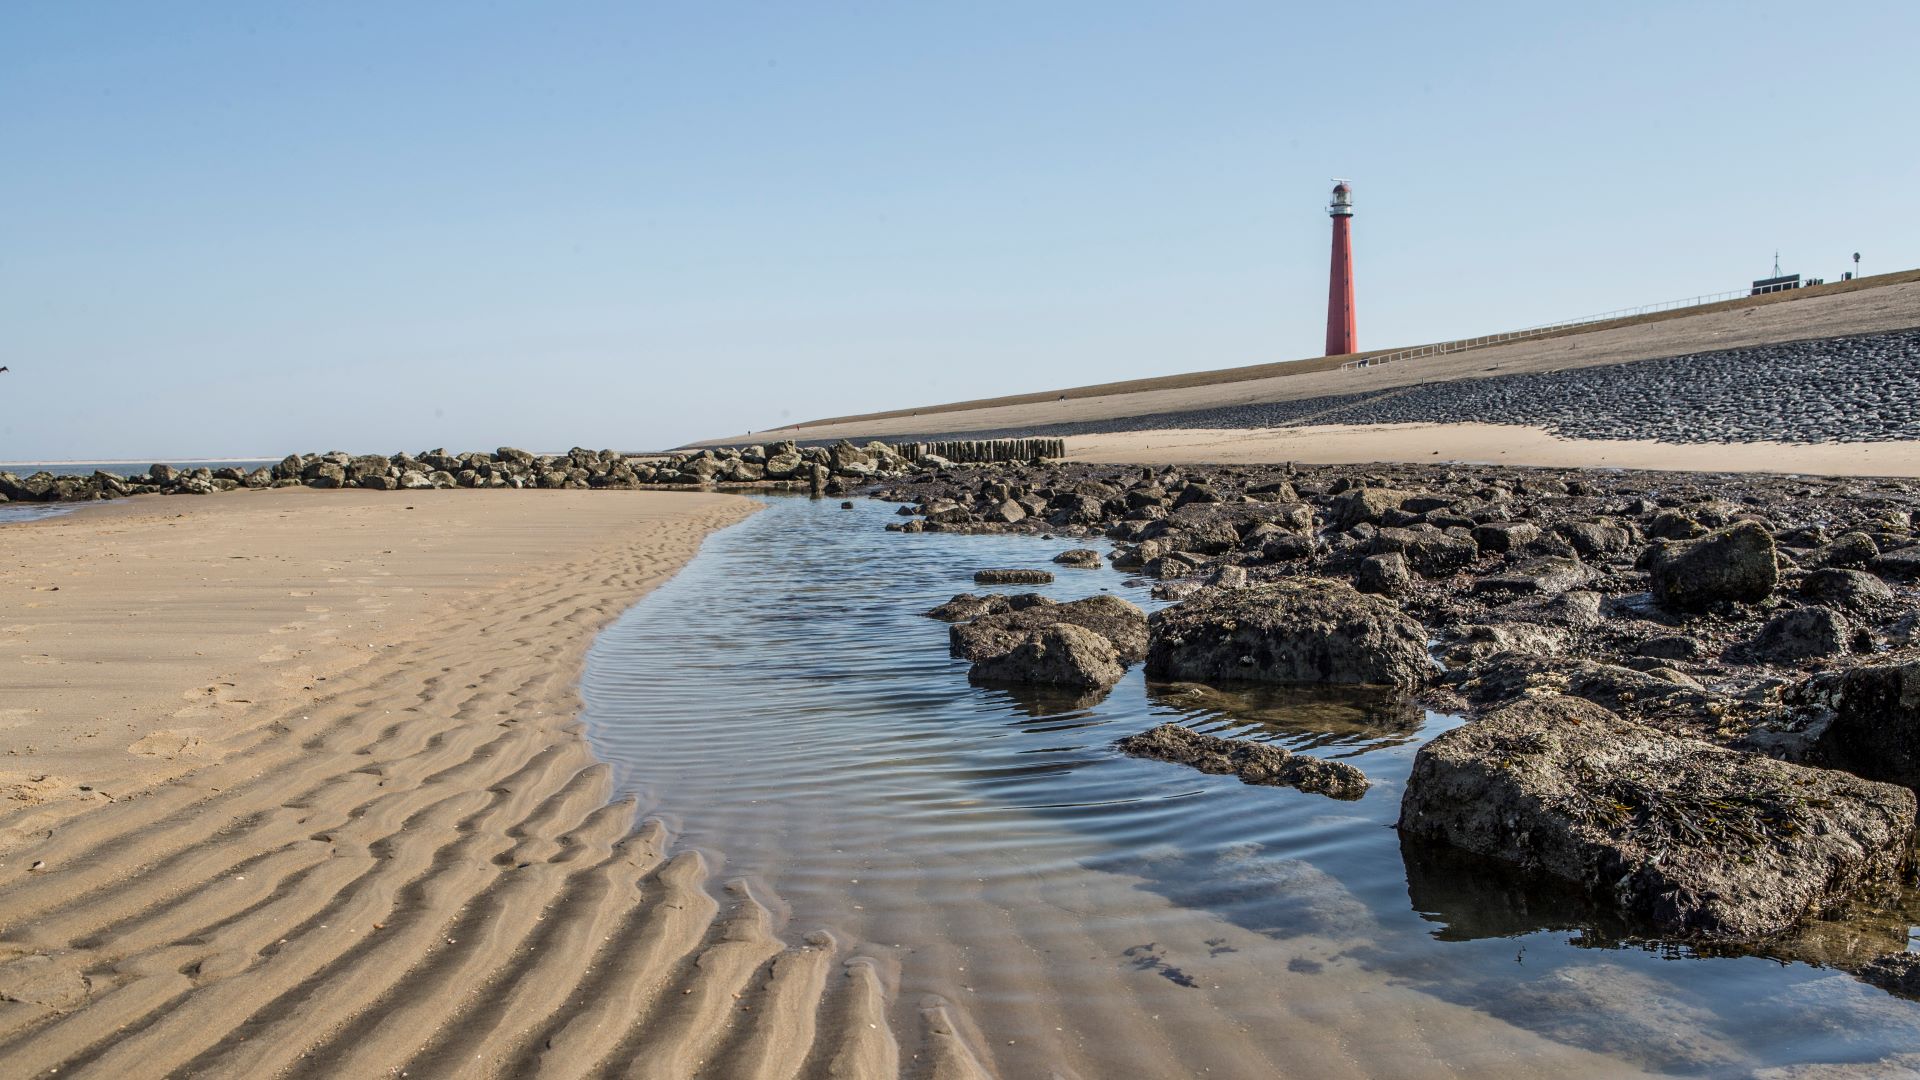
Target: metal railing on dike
<point x="1463" y="344"/>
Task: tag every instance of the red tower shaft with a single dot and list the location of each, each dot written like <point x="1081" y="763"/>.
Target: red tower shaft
<point x="1340" y="336"/>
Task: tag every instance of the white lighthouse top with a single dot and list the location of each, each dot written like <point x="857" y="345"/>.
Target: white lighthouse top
<point x="1342" y="205"/>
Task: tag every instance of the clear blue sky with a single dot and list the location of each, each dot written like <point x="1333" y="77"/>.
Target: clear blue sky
<point x="238" y="228"/>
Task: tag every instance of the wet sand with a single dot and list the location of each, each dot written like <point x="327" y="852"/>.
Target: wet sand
<point x="1496" y="444"/>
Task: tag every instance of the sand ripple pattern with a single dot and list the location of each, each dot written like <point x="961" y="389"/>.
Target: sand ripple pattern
<point x="419" y="873"/>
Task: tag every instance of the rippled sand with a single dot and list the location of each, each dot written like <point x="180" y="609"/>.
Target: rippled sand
<point x="297" y="789"/>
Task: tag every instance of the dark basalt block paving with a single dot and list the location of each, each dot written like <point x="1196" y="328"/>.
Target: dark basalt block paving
<point x="1859" y="388"/>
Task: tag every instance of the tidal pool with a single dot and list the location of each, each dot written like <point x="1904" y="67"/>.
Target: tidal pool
<point x="785" y="706"/>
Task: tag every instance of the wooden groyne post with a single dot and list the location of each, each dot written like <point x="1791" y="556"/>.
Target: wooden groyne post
<point x="980" y="451"/>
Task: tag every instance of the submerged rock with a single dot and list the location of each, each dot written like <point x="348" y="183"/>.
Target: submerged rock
<point x="1308" y="630"/>
<point x="1122" y="624"/>
<point x="1012" y="577"/>
<point x="1896" y="973"/>
<point x="1062" y="655"/>
<point x="1252" y="762"/>
<point x="1686" y="838"/>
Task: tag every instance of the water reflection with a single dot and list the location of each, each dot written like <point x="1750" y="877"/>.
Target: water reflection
<point x="1470" y="896"/>
<point x="1305" y="718"/>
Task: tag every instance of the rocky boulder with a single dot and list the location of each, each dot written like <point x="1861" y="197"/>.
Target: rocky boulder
<point x="1548" y="575"/>
<point x="1802" y="634"/>
<point x="969" y="606"/>
<point x="1871" y="721"/>
<point x="1365" y="506"/>
<point x="1062" y="655"/>
<point x="1594" y="540"/>
<point x="1504" y="536"/>
<point x="1385" y="575"/>
<point x="1901" y="563"/>
<point x="325" y="474"/>
<point x="1855" y="590"/>
<point x="1852" y="549"/>
<point x="1685" y="838"/>
<point x="1123" y="625"/>
<point x="1306" y="630"/>
<point x="1429" y="551"/>
<point x="1737" y="564"/>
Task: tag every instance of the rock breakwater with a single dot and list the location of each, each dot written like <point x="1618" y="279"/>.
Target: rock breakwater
<point x="832" y="469"/>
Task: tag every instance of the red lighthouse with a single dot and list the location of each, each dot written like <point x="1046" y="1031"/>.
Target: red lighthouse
<point x="1340" y="340"/>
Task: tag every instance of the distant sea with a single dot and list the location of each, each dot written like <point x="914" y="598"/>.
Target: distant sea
<point x="31" y="510"/>
<point x="13" y="512"/>
<point x="123" y="468"/>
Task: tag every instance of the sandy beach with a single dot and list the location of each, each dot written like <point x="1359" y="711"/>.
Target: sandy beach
<point x="293" y="775"/>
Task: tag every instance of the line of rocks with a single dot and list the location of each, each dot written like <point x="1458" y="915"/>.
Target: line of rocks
<point x="1858" y="388"/>
<point x="1696" y="697"/>
<point x="835" y="469"/>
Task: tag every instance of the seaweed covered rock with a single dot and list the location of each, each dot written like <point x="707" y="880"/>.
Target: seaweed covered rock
<point x="1062" y="655"/>
<point x="1684" y="838"/>
<point x="1253" y="762"/>
<point x="1802" y="634"/>
<point x="1122" y="624"/>
<point x="1304" y="630"/>
<point x="1738" y="564"/>
<point x="1854" y="590"/>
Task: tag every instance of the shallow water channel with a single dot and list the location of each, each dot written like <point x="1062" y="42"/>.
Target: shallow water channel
<point x="785" y="706"/>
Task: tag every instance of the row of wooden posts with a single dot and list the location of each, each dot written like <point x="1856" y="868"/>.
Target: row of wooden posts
<point x="985" y="450"/>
